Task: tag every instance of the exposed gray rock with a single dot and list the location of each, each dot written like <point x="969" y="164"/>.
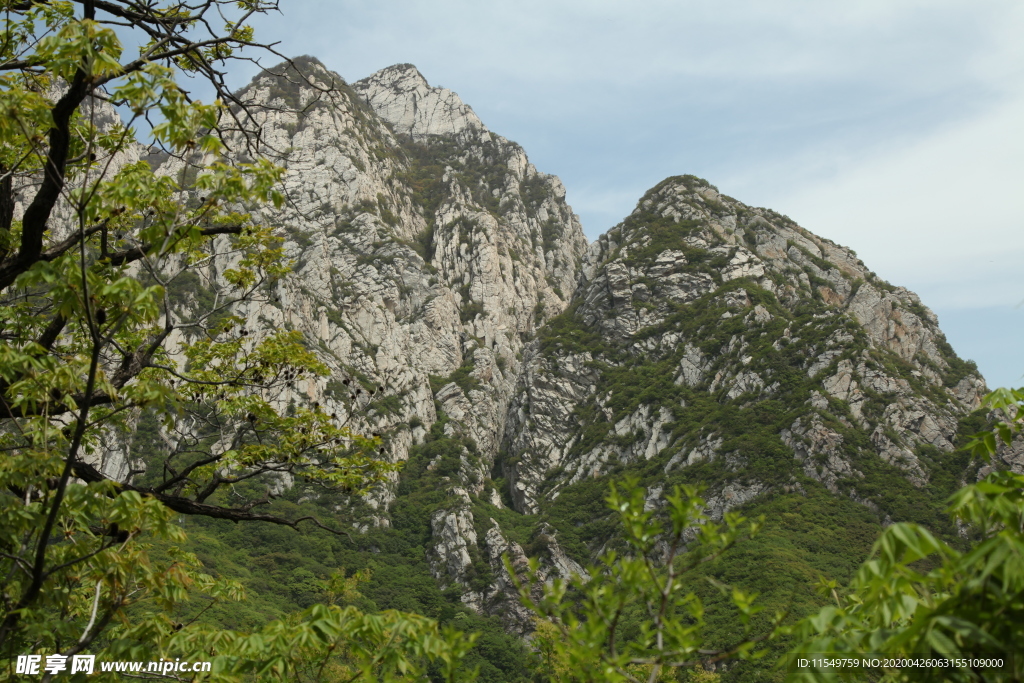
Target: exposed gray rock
<point x="401" y="96"/>
<point x="502" y="598"/>
<point x="693" y="367"/>
<point x="880" y="367"/>
<point x="732" y="496"/>
<point x="819" y="449"/>
<point x="453" y="533"/>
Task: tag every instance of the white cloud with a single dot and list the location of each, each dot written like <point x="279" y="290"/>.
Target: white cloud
<point x="576" y="41"/>
<point x="944" y="214"/>
<point x="888" y="125"/>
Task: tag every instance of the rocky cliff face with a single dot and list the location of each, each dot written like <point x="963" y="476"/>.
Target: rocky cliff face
<point x="707" y="331"/>
<point x="701" y="340"/>
<point x="427" y="251"/>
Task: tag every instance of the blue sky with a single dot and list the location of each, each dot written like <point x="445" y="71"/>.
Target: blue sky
<point x="893" y="127"/>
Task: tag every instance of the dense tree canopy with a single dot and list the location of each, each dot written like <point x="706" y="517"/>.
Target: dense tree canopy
<point x="100" y="248"/>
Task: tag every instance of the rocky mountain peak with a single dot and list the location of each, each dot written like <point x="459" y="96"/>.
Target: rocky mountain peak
<point x="695" y="314"/>
<point x="401" y="96"/>
<point x="427" y="252"/>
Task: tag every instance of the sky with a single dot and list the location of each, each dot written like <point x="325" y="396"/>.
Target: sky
<point x="894" y="127"/>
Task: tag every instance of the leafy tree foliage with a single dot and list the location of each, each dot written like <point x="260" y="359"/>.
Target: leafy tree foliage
<point x="633" y="619"/>
<point x="920" y="598"/>
<point x="99" y="253"/>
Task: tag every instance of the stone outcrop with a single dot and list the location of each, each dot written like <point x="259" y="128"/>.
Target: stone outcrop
<point x="402" y="97"/>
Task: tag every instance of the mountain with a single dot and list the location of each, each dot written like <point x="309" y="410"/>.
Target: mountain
<point x="427" y="250"/>
<point x="516" y="370"/>
<point x="709" y="331"/>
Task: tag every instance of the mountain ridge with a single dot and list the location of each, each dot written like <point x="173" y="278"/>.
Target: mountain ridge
<point x="516" y="368"/>
<point x="615" y="300"/>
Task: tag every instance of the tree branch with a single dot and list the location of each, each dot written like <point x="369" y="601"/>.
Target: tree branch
<point x="34" y="222"/>
<point x="120" y="258"/>
<point x="58" y="249"/>
<point x="187" y="506"/>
